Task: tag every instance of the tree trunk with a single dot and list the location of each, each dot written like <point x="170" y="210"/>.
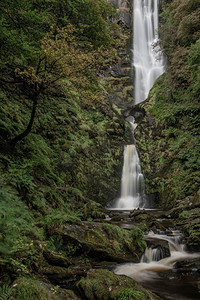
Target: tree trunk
<point x="22" y="135"/>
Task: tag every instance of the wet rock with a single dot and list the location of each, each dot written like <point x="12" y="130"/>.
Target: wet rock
<point x="125" y="17"/>
<point x="192" y="265"/>
<point x="137" y="212"/>
<point x="137" y="111"/>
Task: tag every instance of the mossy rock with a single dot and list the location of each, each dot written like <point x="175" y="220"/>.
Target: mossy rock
<point x="104" y="284"/>
<point x="25" y="288"/>
<point x="186" y="216"/>
<point x="103" y="241"/>
<point x="55" y="258"/>
<point x="93" y="211"/>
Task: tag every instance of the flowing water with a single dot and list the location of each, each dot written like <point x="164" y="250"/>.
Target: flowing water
<point x="148" y="64"/>
<point x="148" y="60"/>
<point x="149" y="272"/>
<point x="132" y="181"/>
<point x="156" y="269"/>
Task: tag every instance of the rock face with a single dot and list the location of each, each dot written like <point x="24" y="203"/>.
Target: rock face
<point x="120" y="75"/>
<point x="167" y="149"/>
<point x="123" y="6"/>
<point x="102" y="241"/>
<point x="187" y="219"/>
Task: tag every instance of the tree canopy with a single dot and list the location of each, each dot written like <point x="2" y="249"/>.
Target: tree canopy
<point x="44" y="41"/>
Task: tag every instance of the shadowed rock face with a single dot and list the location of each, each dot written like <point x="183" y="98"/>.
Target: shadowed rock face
<point x="123" y="6"/>
<point x="137" y="112"/>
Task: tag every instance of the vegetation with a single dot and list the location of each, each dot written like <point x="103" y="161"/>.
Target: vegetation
<point x="61" y="143"/>
<point x="103" y="284"/>
<point x="132" y="240"/>
<point x="57" y="127"/>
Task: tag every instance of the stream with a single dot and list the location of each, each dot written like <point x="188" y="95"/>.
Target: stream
<point x="166" y="267"/>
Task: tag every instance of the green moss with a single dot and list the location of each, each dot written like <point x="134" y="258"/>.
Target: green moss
<point x="30" y="289"/>
<point x="126" y="294"/>
<point x="170" y="158"/>
<point x="103" y="284"/>
<point x="98" y="238"/>
<point x="129" y="240"/>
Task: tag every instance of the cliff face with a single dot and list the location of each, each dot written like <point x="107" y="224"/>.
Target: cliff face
<point x="168" y="136"/>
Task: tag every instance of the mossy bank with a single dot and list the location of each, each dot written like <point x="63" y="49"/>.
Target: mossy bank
<point x="61" y="144"/>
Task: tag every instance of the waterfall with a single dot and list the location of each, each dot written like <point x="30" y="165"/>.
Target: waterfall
<point x="158" y="252"/>
<point x="148" y="60"/>
<point x="148" y="64"/>
<point x="132" y="182"/>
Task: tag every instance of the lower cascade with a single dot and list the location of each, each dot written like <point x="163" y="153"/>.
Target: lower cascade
<point x="132" y="180"/>
<point x="157" y="257"/>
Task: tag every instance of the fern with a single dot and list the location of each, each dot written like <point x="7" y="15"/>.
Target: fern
<point x="5" y="292"/>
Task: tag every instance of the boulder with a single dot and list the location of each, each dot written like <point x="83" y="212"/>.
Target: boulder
<point x="103" y="241"/>
<point x="104" y="284"/>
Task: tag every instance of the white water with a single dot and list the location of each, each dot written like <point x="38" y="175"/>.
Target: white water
<point x="144" y="271"/>
<point x="148" y="63"/>
<point x="132" y="181"/>
<point x="148" y="60"/>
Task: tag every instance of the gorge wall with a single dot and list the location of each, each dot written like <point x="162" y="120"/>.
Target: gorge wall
<point x="168" y="135"/>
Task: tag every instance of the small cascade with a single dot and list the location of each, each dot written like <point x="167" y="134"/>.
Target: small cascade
<point x="157" y="258"/>
<point x="154" y="253"/>
<point x="173" y="240"/>
<point x="148" y="60"/>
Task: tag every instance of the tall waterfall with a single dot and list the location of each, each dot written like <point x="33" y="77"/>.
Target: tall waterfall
<point x="148" y="61"/>
<point x="148" y="64"/>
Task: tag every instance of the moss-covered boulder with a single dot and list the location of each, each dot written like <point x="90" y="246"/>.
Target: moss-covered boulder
<point x="104" y="284"/>
<point x="27" y="288"/>
<point x="102" y="241"/>
<point x="56" y="259"/>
